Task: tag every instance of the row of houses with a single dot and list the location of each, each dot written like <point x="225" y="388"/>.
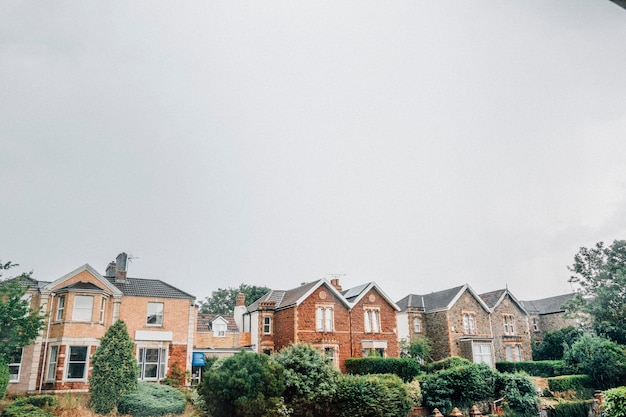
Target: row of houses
<point x="169" y="332"/>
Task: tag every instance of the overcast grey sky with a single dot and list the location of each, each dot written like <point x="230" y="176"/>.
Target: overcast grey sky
<point x="421" y="145"/>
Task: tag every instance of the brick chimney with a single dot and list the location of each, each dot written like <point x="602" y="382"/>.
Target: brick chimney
<point x="240" y="310"/>
<point x="110" y="272"/>
<point x="120" y="267"/>
<point x="335" y="283"/>
<point x="240" y="300"/>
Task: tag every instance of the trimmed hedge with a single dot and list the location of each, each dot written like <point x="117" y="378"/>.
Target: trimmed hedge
<point x="371" y="396"/>
<point x="578" y="408"/>
<point x="545" y="369"/>
<point x="405" y="368"/>
<point x="564" y="383"/>
<point x="446" y="363"/>
<point x="615" y="402"/>
<point x="152" y="400"/>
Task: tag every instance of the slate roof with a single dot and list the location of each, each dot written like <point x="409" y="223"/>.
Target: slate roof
<point x="25" y="281"/>
<point x="548" y="305"/>
<point x="284" y="298"/>
<point x="352" y="293"/>
<point x="492" y="298"/>
<point x="204" y="323"/>
<point x="435" y="301"/>
<point x="142" y="287"/>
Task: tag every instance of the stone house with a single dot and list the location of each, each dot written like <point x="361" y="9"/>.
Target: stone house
<point x="457" y="321"/>
<point x="509" y="320"/>
<point x="354" y="323"/>
<point x="82" y="305"/>
<point x="549" y="314"/>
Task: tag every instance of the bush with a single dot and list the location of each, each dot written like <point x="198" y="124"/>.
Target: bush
<point x="152" y="400"/>
<point x="543" y="369"/>
<point x="114" y="371"/>
<point x="551" y="347"/>
<point x="520" y="393"/>
<point x="604" y="361"/>
<point x="310" y="379"/>
<point x="4" y="377"/>
<point x="615" y="402"/>
<point x="578" y="408"/>
<point x="447" y="363"/>
<point x="581" y="384"/>
<point x="39" y="400"/>
<point x="461" y="386"/>
<point x="405" y="368"/>
<point x="246" y="384"/>
<point x="18" y="409"/>
<point x="372" y="396"/>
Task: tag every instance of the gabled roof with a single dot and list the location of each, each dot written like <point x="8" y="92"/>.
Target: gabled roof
<point x="440" y="300"/>
<point x="81" y="286"/>
<point x="99" y="278"/>
<point x="494" y="298"/>
<point x="295" y="296"/>
<point x="142" y="287"/>
<point x="24" y="281"/>
<point x="548" y="305"/>
<point x="355" y="294"/>
<point x="205" y="322"/>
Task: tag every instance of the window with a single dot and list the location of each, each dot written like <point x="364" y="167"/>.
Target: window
<point x="77" y="363"/>
<point x="330" y="353"/>
<point x="417" y="324"/>
<point x="52" y="363"/>
<point x="219" y="329"/>
<point x="535" y="325"/>
<point x="482" y="353"/>
<point x="103" y="304"/>
<point x="469" y="323"/>
<point x="513" y="353"/>
<point x="155" y="314"/>
<point x="509" y="328"/>
<point x="518" y="353"/>
<point x="15" y="364"/>
<point x="152" y="363"/>
<point x="374" y="352"/>
<point x="324" y="319"/>
<point x="509" y="353"/>
<point x="60" y="308"/>
<point x="267" y="325"/>
<point x="372" y="321"/>
<point x="83" y="307"/>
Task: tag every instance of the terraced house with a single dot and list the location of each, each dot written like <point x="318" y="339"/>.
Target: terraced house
<point x="82" y="305"/>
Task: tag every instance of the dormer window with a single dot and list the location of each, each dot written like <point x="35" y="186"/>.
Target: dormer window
<point x="219" y="329"/>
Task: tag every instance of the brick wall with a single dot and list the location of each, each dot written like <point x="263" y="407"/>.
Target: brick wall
<point x="388" y="324"/>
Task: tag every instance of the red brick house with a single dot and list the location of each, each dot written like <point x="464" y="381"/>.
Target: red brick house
<point x="343" y="325"/>
<point x="509" y="320"/>
<point x="82" y="305"/>
<point x="456" y="320"/>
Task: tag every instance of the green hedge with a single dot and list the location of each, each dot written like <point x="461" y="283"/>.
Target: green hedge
<point x="152" y="400"/>
<point x="371" y="396"/>
<point x="570" y="409"/>
<point x="4" y="377"/>
<point x="615" y="402"/>
<point x="545" y="369"/>
<point x="564" y="383"/>
<point x="405" y="368"/>
<point x="447" y="363"/>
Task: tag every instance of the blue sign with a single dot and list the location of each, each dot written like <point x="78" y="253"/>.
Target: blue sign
<point x="197" y="359"/>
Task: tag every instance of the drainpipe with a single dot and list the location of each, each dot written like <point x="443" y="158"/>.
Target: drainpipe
<point x="45" y="349"/>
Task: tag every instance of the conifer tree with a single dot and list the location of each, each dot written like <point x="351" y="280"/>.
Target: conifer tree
<point x="115" y="369"/>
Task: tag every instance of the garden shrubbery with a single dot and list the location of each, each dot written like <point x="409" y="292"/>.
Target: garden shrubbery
<point x="405" y="368"/>
<point x="34" y="406"/>
<point x="580" y="384"/>
<point x="4" y="377"/>
<point x="615" y="402"/>
<point x="371" y="396"/>
<point x="152" y="400"/>
<point x="546" y="369"/>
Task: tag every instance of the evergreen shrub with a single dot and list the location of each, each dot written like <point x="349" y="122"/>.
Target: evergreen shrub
<point x="615" y="402"/>
<point x="545" y="369"/>
<point x="405" y="368"/>
<point x="4" y="377"/>
<point x="570" y="408"/>
<point x="581" y="384"/>
<point x="152" y="400"/>
<point x="371" y="396"/>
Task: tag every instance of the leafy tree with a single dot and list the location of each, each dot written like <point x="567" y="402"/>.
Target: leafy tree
<point x="552" y="345"/>
<point x="600" y="272"/>
<point x="114" y="371"/>
<point x="4" y="378"/>
<point x="19" y="324"/>
<point x="222" y="300"/>
<point x="603" y="360"/>
<point x="418" y="348"/>
<point x="246" y="385"/>
<point x="371" y="396"/>
<point x="520" y="393"/>
<point x="310" y="379"/>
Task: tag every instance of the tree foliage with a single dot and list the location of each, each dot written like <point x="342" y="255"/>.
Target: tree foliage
<point x="553" y="343"/>
<point x="418" y="348"/>
<point x="310" y="379"/>
<point x="246" y="385"/>
<point x="603" y="360"/>
<point x="19" y="324"/>
<point x="600" y="272"/>
<point x="222" y="300"/>
<point x="114" y="371"/>
<point x="372" y="396"/>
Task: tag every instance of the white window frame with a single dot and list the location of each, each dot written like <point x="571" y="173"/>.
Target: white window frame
<point x="372" y="320"/>
<point x="158" y="314"/>
<point x="482" y="355"/>
<point x="469" y="323"/>
<point x="518" y="353"/>
<point x="53" y="357"/>
<point x="324" y="319"/>
<point x="103" y="304"/>
<point x="160" y="363"/>
<point x="80" y="312"/>
<point x="71" y="362"/>
<point x="60" y="308"/>
<point x="417" y="324"/>
<point x="267" y="325"/>
<point x="219" y="329"/>
<point x="509" y="326"/>
<point x="535" y="324"/>
<point x="15" y="376"/>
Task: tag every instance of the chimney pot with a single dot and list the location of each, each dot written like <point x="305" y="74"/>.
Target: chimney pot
<point x="335" y="283"/>
<point x="240" y="300"/>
